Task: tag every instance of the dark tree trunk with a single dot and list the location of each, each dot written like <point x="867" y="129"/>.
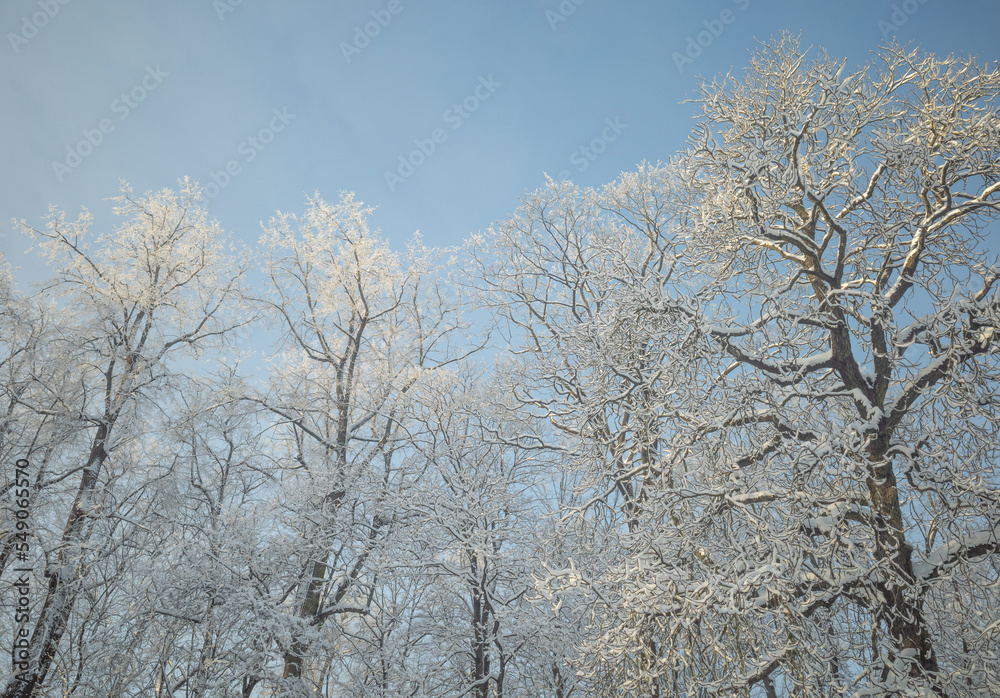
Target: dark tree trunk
<point x="63" y="580"/>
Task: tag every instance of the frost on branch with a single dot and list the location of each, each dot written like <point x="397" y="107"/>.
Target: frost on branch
<point x="802" y="456"/>
<point x="744" y="442"/>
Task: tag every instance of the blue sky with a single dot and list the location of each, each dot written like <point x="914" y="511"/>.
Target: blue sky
<point x="296" y="97"/>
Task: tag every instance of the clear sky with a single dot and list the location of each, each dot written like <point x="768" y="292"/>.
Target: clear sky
<point x="441" y="114"/>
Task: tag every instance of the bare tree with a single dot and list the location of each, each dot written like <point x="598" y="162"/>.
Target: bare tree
<point x="589" y="283"/>
<point x="829" y="523"/>
<point x="125" y="305"/>
<point x="363" y="330"/>
<point x="475" y="509"/>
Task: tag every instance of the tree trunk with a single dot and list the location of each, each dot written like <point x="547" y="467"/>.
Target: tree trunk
<point x="309" y="609"/>
<point x="902" y="612"/>
<point x="480" y="639"/>
<point x="63" y="580"/>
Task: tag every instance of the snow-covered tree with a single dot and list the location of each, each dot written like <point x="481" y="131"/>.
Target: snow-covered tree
<point x="745" y="443"/>
<point x="586" y="282"/>
<point x="473" y="541"/>
<point x="824" y="518"/>
<point x="118" y="314"/>
<point x="364" y="330"/>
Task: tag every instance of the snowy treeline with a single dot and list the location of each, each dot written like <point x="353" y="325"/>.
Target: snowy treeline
<point x="724" y="427"/>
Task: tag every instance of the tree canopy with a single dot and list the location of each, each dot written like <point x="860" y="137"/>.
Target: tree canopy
<point x="727" y="426"/>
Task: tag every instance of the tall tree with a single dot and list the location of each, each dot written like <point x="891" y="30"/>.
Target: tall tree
<point x="125" y="305"/>
<point x="363" y="330"/>
<point x="588" y="283"/>
<point x="830" y="522"/>
<point x="475" y="510"/>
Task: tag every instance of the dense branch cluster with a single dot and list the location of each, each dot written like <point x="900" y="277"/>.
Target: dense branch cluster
<point x="726" y="427"/>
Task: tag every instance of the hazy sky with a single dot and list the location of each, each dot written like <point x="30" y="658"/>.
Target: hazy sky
<point x="441" y="114"/>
